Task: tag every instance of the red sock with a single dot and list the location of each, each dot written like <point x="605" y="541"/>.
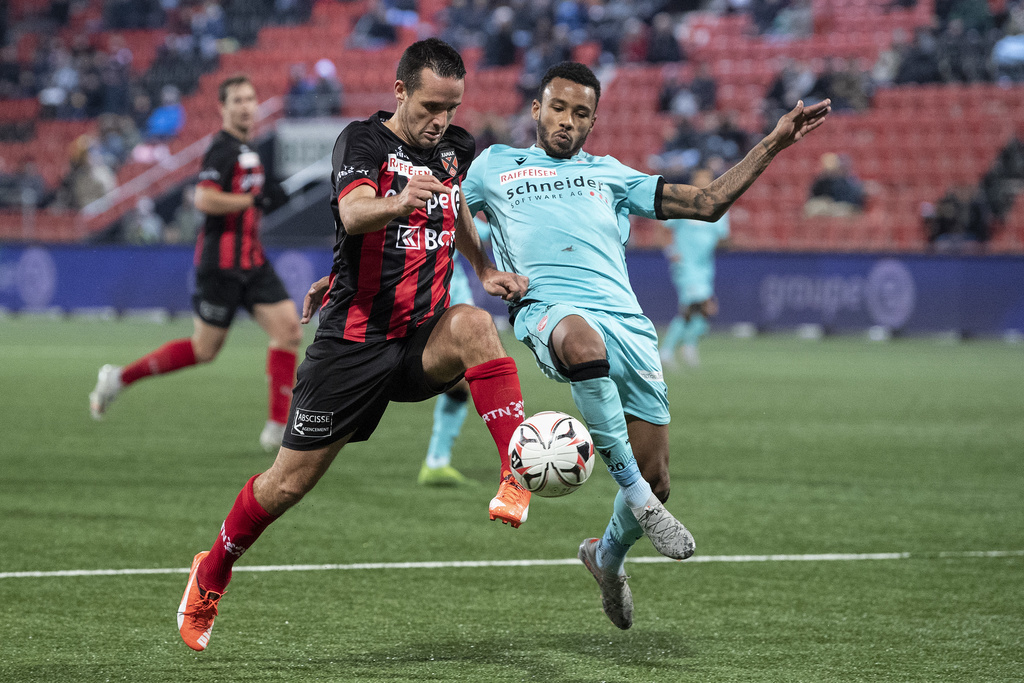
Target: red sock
<point x="499" y="400"/>
<point x="281" y="379"/>
<point x="244" y="524"/>
<point x="169" y="357"/>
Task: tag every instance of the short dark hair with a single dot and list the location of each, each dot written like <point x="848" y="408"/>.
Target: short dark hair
<point x="230" y="82"/>
<point x="435" y="54"/>
<point x="571" y="71"/>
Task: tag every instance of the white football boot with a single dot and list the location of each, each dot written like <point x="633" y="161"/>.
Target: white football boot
<point x="108" y="386"/>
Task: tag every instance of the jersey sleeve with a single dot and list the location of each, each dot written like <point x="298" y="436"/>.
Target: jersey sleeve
<point x="217" y="167"/>
<point x="356" y="160"/>
<point x="641" y="191"/>
<point x="473" y="184"/>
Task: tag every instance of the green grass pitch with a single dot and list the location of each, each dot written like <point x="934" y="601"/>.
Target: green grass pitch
<point x="779" y="446"/>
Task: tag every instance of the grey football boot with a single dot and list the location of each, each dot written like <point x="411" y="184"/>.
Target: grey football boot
<point x="616" y="598"/>
<point x="668" y="535"/>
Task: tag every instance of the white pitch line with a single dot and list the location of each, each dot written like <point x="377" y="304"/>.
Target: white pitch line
<point x="822" y="557"/>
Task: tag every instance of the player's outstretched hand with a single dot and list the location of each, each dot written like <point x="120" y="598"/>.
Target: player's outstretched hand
<point x="314" y="297"/>
<point x="418" y="192"/>
<point x="799" y="122"/>
<point x="509" y="286"/>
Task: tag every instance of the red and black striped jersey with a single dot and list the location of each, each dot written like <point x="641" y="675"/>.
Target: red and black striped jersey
<point x="231" y="241"/>
<point x="386" y="283"/>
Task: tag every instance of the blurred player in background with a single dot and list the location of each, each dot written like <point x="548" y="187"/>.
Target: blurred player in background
<point x="232" y="269"/>
<point x="691" y="257"/>
<point x="560" y="217"/>
<point x="386" y="330"/>
<point x="451" y="407"/>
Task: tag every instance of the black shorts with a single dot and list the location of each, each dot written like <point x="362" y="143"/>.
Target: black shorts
<point x="344" y="387"/>
<point x="219" y="293"/>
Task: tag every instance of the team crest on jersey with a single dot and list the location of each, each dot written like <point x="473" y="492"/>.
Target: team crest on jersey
<point x="450" y="162"/>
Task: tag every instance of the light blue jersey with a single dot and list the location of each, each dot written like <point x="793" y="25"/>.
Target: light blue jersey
<point x="461" y="293"/>
<point x="692" y="256"/>
<point x="563" y="223"/>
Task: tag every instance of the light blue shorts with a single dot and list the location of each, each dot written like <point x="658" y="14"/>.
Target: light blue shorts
<point x="693" y="289"/>
<point x="632" y="345"/>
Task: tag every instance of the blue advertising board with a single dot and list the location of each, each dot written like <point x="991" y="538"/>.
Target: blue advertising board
<point x="841" y="292"/>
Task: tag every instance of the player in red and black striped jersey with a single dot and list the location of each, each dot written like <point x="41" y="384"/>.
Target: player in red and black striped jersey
<point x="388" y="282"/>
<point x="386" y="331"/>
<point x="231" y="269"/>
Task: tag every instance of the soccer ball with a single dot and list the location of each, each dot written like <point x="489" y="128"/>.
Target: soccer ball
<point x="552" y="454"/>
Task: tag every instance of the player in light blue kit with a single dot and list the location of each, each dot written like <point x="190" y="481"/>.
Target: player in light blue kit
<point x="560" y="216"/>
<point x="451" y="407"/>
<point x="692" y="263"/>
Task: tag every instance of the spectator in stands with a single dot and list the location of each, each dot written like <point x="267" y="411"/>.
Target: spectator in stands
<point x="884" y="71"/>
<point x="604" y="26"/>
<point x="298" y="102"/>
<point x="677" y="96"/>
<point x="401" y="13"/>
<point x="793" y="21"/>
<point x="10" y="73"/>
<point x="845" y="84"/>
<point x="962" y="220"/>
<point x="9" y="191"/>
<point x="87" y="180"/>
<point x="633" y="45"/>
<point x="662" y="45"/>
<point x="794" y="83"/>
<point x="836" y="191"/>
<point x="764" y="12"/>
<point x="465" y="23"/>
<point x="168" y="119"/>
<point x="118" y="136"/>
<point x="373" y="31"/>
<point x="964" y="54"/>
<point x="142" y="108"/>
<point x="550" y="46"/>
<point x="499" y="46"/>
<point x="973" y="15"/>
<point x="1008" y="58"/>
<point x="32" y="190"/>
<point x="920" y="63"/>
<point x="144" y="225"/>
<point x="687" y="99"/>
<point x="327" y="90"/>
<point x="1006" y="178"/>
<point x="704" y="87"/>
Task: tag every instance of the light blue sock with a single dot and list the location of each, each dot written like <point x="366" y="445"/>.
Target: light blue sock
<point x="620" y="535"/>
<point x="673" y="337"/>
<point x="449" y="414"/>
<point x="695" y="329"/>
<point x="598" y="401"/>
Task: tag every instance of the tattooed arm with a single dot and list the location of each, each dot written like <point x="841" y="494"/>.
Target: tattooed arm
<point x="711" y="202"/>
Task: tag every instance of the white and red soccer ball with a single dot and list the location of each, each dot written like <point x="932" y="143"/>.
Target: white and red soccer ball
<point x="552" y="454"/>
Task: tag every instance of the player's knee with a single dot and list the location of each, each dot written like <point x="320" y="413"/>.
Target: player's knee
<point x="472" y="326"/>
<point x="205" y="353"/>
<point x="291" y="337"/>
<point x="577" y="351"/>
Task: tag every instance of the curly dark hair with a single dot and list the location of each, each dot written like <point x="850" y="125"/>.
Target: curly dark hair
<point x="437" y="55"/>
<point x="571" y="71"/>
